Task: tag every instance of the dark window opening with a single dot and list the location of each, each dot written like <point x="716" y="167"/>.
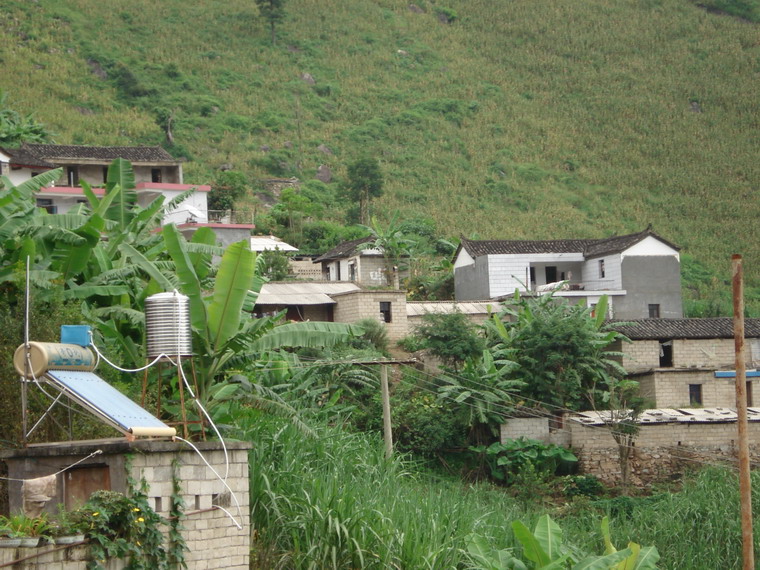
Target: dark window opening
<point x="551" y="274"/>
<point x="654" y="311"/>
<point x="352" y="272"/>
<point x="749" y="392"/>
<point x="601" y="269"/>
<point x="666" y="353"/>
<point x="695" y="394"/>
<point x="337" y="271"/>
<point x="47" y="204"/>
<point x="155" y="175"/>
<point x="35" y="173"/>
<point x="295" y="313"/>
<point x="105" y="174"/>
<point x="385" y="311"/>
<point x="72" y="175"/>
<point x="532" y="277"/>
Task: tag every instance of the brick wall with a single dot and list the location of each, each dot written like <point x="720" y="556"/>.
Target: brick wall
<point x="687" y="353"/>
<point x="213" y="539"/>
<point x="357" y="305"/>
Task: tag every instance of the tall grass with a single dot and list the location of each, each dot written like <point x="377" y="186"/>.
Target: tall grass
<point x="332" y="500"/>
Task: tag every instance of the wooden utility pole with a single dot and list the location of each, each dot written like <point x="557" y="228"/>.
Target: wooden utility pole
<point x="745" y="483"/>
<point x="387" y="430"/>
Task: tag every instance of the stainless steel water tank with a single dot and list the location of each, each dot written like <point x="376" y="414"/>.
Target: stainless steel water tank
<point x="167" y="325"/>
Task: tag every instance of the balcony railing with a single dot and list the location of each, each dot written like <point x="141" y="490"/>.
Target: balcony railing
<point x="231" y="216"/>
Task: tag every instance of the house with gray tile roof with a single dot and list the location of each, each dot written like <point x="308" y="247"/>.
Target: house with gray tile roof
<point x="354" y="261"/>
<point x="157" y="173"/>
<point x="639" y="273"/>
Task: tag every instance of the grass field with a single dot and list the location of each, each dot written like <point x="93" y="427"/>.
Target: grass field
<point x="521" y="119"/>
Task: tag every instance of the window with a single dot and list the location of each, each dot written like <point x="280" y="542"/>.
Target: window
<point x="654" y="311"/>
<point x="385" y="311"/>
<point x="47" y="204"/>
<point x="601" y="269"/>
<point x="695" y="394"/>
<point x="72" y="175"/>
<point x="105" y="174"/>
<point x="155" y="175"/>
<point x="666" y="353"/>
<point x="551" y="274"/>
<point x="352" y="272"/>
<point x="749" y="392"/>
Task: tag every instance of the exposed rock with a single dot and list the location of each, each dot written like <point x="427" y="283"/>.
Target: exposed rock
<point x="416" y="9"/>
<point x="308" y="79"/>
<point x="265" y="148"/>
<point x="226" y="166"/>
<point x="695" y="107"/>
<point x="287" y="144"/>
<point x="324" y="149"/>
<point x="84" y="111"/>
<point x="97" y="69"/>
<point x="293" y="49"/>
<point x="402" y="52"/>
<point x="324" y="174"/>
<point x="273" y="189"/>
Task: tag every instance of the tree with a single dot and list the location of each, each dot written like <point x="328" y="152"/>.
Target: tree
<point x="273" y="12"/>
<point x="560" y="349"/>
<point x="365" y="181"/>
<point x="451" y="337"/>
<point x="392" y="243"/>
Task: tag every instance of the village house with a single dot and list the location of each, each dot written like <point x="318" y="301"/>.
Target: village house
<point x="356" y="262"/>
<point x="639" y="273"/>
<point x="688" y="362"/>
<point x="157" y="173"/>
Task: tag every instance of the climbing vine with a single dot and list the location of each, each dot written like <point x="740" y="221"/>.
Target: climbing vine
<point x="177" y="546"/>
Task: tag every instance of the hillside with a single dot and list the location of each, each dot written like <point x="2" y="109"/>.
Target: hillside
<point x="520" y="119"/>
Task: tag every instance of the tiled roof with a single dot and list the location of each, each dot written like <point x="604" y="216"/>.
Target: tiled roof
<point x="588" y="247"/>
<point x="345" y="249"/>
<point x="51" y="152"/>
<point x="649" y="329"/>
<point x="21" y="157"/>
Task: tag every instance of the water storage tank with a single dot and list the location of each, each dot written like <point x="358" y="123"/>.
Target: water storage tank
<point x="167" y="325"/>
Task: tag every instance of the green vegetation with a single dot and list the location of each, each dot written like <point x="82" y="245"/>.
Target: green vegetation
<point x="560" y="119"/>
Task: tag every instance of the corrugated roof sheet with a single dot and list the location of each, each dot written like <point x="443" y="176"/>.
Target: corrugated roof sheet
<point x="419" y="308"/>
<point x="651" y="329"/>
<point x="306" y="293"/>
<point x="265" y="243"/>
<point x="670" y="415"/>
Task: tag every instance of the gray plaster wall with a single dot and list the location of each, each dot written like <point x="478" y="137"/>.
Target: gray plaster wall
<point x="650" y="280"/>
<point x="471" y="281"/>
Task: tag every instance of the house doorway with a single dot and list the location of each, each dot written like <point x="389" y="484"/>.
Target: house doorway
<point x="551" y="274"/>
<point x="666" y="353"/>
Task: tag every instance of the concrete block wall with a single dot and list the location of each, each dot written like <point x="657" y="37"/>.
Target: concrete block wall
<point x="703" y="353"/>
<point x="357" y="305"/>
<point x="535" y="428"/>
<point x="213" y="539"/>
<point x="639" y="354"/>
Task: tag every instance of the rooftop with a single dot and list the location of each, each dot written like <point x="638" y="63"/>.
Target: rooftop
<point x="45" y="154"/>
<point x="652" y="329"/>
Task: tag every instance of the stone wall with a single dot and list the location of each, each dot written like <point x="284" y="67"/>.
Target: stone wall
<point x="214" y="541"/>
<point x="661" y="451"/>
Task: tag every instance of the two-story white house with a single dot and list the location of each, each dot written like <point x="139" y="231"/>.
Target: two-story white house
<point x="640" y="273"/>
<point x="156" y="173"/>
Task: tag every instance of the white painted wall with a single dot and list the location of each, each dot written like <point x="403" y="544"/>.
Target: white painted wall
<point x="651" y="246"/>
<point x="510" y="272"/>
<point x="463" y="259"/>
<point x="613" y="277"/>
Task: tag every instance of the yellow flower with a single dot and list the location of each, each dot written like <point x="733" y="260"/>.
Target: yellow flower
<point x="135" y="510"/>
<point x="95" y="514"/>
<point x="141" y="519"/>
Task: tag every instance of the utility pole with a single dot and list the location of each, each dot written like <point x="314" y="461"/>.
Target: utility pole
<point x="385" y="393"/>
<point x="745" y="483"/>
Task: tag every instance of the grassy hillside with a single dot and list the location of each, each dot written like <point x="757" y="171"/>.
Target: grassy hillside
<point x="520" y="119"/>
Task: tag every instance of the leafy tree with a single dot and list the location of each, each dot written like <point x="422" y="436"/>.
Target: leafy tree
<point x="393" y="244"/>
<point x="560" y="349"/>
<point x="275" y="265"/>
<point x="452" y="337"/>
<point x="228" y="186"/>
<point x="273" y="12"/>
<point x="365" y="181"/>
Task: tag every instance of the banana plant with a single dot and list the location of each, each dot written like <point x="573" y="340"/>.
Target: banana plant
<point x="228" y="338"/>
<point x="543" y="548"/>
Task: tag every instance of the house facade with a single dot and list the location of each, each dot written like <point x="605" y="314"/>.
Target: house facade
<point x="683" y="363"/>
<point x="156" y="173"/>
<point x="639" y="273"/>
<point x="354" y="261"/>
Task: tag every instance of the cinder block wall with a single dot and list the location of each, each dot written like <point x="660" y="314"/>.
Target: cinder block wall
<point x="212" y="538"/>
<point x="357" y="305"/>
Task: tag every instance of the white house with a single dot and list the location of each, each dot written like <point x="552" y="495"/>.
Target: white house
<point x="640" y="273"/>
<point x="156" y="173"/>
